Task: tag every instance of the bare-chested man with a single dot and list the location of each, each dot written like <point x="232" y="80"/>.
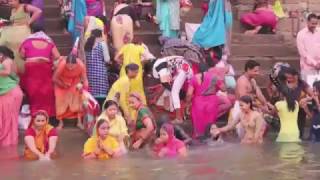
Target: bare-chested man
<point x="247" y="86"/>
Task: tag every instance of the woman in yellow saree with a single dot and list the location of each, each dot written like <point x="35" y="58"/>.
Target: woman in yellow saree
<point x="40" y="138"/>
<point x="101" y="146"/>
<point x="13" y="35"/>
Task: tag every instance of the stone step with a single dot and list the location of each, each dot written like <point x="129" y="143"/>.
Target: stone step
<point x="50" y="2"/>
<point x="240" y="38"/>
<point x="64" y="49"/>
<point x="61" y="39"/>
<point x="52" y="11"/>
<point x="269" y="50"/>
<point x="53" y="25"/>
<point x="265" y="62"/>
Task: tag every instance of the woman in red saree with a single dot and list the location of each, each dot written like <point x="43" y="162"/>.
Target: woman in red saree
<point x="40" y="138"/>
<point x="39" y="52"/>
<point x="69" y="78"/>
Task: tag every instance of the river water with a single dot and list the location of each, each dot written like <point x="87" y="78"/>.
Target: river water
<point x="228" y="161"/>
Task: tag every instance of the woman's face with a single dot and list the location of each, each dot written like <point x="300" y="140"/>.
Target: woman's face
<point x="103" y="130"/>
<point x="13" y="3"/>
<point x="164" y="135"/>
<point x="214" y="130"/>
<point x="40" y="121"/>
<point x="244" y="106"/>
<point x="291" y="78"/>
<point x="70" y="66"/>
<point x="315" y="92"/>
<point x="112" y="111"/>
<point x="134" y="102"/>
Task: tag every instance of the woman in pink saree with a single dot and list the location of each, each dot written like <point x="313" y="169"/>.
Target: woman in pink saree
<point x="263" y="17"/>
<point x="39" y="53"/>
<point x="206" y="105"/>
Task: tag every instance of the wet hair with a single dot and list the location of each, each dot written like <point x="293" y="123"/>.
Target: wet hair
<point x="110" y="103"/>
<point x="131" y="67"/>
<point x="290" y="98"/>
<point x="251" y="64"/>
<point x="72" y="59"/>
<point x="312" y="16"/>
<point x="247" y="100"/>
<point x="96" y="33"/>
<point x="36" y="28"/>
<point x="148" y="67"/>
<point x="203" y="68"/>
<point x="316" y="85"/>
<point x="7" y="52"/>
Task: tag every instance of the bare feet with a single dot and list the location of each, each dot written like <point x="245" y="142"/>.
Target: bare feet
<point x="250" y="32"/>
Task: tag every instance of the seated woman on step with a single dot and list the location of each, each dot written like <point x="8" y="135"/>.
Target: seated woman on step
<point x="261" y="20"/>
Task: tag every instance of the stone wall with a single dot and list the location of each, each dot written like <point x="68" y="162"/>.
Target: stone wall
<point x="286" y="26"/>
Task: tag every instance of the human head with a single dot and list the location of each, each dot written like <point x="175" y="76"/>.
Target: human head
<point x="111" y="109"/>
<point x="246" y="104"/>
<point x="103" y="128"/>
<point x="252" y="68"/>
<point x="96" y="33"/>
<point x="132" y="70"/>
<point x="71" y="61"/>
<point x="291" y="74"/>
<point x="5" y="53"/>
<point x="312" y="22"/>
<point x="316" y="88"/>
<point x="135" y="100"/>
<point x="289" y="96"/>
<point x="214" y="131"/>
<point x="167" y="132"/>
<point x="14" y="3"/>
<point x="40" y="119"/>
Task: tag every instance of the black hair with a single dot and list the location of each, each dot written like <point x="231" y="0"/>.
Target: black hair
<point x="99" y="123"/>
<point x="251" y="64"/>
<point x="109" y="103"/>
<point x="131" y="67"/>
<point x="96" y="33"/>
<point x="36" y="28"/>
<point x="316" y="85"/>
<point x="247" y="100"/>
<point x="312" y="16"/>
<point x="148" y="67"/>
<point x="203" y="68"/>
<point x="7" y="52"/>
<point x="290" y="98"/>
<point x="72" y="59"/>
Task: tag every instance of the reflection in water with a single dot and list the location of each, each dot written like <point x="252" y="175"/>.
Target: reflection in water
<point x="226" y="161"/>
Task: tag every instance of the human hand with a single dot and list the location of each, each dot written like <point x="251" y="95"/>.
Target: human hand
<point x="163" y="152"/>
<point x="137" y="144"/>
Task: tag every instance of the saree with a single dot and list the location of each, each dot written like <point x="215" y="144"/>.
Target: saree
<point x="76" y="21"/>
<point x="94" y="7"/>
<point x="36" y="81"/>
<point x="172" y="146"/>
<point x="260" y="17"/>
<point x="91" y="146"/>
<point x="41" y="139"/>
<point x="205" y="108"/>
<point x="214" y="28"/>
<point x="39" y="4"/>
<point x="69" y="100"/>
<point x="10" y="102"/>
<point x="168" y="15"/>
<point x="121" y="27"/>
<point x="19" y="32"/>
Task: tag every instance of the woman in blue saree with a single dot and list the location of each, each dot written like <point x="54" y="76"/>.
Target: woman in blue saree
<point x="216" y="25"/>
<point x="168" y="17"/>
<point x="76" y="21"/>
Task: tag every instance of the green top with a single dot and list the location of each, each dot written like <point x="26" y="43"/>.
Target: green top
<point x="143" y="113"/>
<point x="20" y="16"/>
<point x="7" y="83"/>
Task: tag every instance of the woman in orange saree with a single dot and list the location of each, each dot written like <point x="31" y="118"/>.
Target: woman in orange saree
<point x="40" y="138"/>
<point x="69" y="78"/>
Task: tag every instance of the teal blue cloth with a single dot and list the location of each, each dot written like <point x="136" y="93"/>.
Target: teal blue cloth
<point x="76" y="21"/>
<point x="213" y="30"/>
<point x="169" y="17"/>
<point x="230" y="82"/>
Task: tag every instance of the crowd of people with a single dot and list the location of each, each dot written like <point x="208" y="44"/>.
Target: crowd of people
<point x="128" y="99"/>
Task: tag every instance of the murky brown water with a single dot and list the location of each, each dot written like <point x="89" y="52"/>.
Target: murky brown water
<point x="230" y="161"/>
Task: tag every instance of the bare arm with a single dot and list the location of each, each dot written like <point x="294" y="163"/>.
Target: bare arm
<point x="183" y="152"/>
<point x="36" y="13"/>
<point x="52" y="144"/>
<point x="260" y="126"/>
<point x="29" y="140"/>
